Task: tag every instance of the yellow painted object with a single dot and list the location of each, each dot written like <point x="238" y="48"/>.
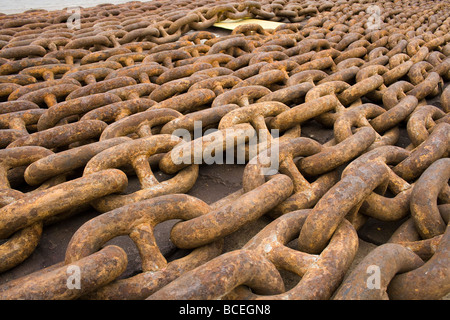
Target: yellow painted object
<point x="231" y="24"/>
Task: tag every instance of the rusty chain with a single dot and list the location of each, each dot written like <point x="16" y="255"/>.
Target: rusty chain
<point x="85" y="111"/>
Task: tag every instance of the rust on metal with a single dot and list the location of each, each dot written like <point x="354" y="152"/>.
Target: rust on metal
<point x="337" y="118"/>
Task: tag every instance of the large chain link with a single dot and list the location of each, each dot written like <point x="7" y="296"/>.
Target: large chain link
<point x="83" y="111"/>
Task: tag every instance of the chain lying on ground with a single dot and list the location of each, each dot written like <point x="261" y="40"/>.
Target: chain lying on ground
<point x="82" y="111"/>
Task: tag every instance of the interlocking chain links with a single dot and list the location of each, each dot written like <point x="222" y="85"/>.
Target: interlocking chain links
<point x="59" y="198"/>
<point x="254" y="264"/>
<point x="358" y="117"/>
<point x="14" y="106"/>
<point x="140" y="124"/>
<point x="421" y="122"/>
<point x="65" y="162"/>
<point x="334" y="155"/>
<point x="396" y="115"/>
<point x="392" y="259"/>
<point x="15" y="124"/>
<point x="208" y="117"/>
<point x="98" y="269"/>
<point x="22" y="243"/>
<point x="315" y="283"/>
<point x="424" y="209"/>
<point x="225" y="220"/>
<point x="422" y="283"/>
<point x="304" y="112"/>
<point x="48" y="96"/>
<point x="159" y="73"/>
<point x="256" y="114"/>
<point x="116" y="111"/>
<point x="73" y="107"/>
<point x="407" y="236"/>
<point x="306" y="194"/>
<point x="358" y="180"/>
<point x="205" y="148"/>
<point x="136" y="153"/>
<point x="138" y="221"/>
<point x="241" y="267"/>
<point x="24" y="237"/>
<point x="432" y="149"/>
<point x="445" y="100"/>
<point x="61" y="136"/>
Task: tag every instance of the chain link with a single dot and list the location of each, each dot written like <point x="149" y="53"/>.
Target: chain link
<point x="85" y="110"/>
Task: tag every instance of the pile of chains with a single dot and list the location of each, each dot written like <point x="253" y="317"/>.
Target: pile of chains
<point x="84" y="109"/>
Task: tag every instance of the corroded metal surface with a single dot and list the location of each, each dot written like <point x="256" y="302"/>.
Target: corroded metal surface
<point x="339" y="118"/>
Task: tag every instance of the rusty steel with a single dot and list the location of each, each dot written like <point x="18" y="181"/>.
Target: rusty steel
<point x="408" y="236"/>
<point x="99" y="269"/>
<point x="21" y="244"/>
<point x="47" y="203"/>
<point x="445" y="100"/>
<point x="432" y="149"/>
<point x="305" y="194"/>
<point x="12" y="67"/>
<point x="364" y="174"/>
<point x="395" y="115"/>
<point x="256" y="260"/>
<point x="305" y="111"/>
<point x="137" y="220"/>
<point x="325" y="274"/>
<point x="65" y="162"/>
<point x="208" y="117"/>
<point x="140" y="123"/>
<point x="174" y="87"/>
<point x="49" y="96"/>
<point x="223" y="221"/>
<point x="333" y="156"/>
<point x="103" y="86"/>
<point x="136" y="154"/>
<point x="20" y="122"/>
<point x="243" y="267"/>
<point x="73" y="107"/>
<point x="421" y="122"/>
<point x="46" y="72"/>
<point x="392" y="259"/>
<point x="114" y="112"/>
<point x="196" y="150"/>
<point x="422" y="283"/>
<point x="424" y="209"/>
<point x="19" y="92"/>
<point x="241" y="96"/>
<point x="63" y="135"/>
<point x="359" y="116"/>
<point x="121" y="116"/>
<point x="188" y="102"/>
<point x="13" y="106"/>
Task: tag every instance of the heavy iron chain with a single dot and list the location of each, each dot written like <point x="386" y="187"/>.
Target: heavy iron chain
<point x="82" y="111"/>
